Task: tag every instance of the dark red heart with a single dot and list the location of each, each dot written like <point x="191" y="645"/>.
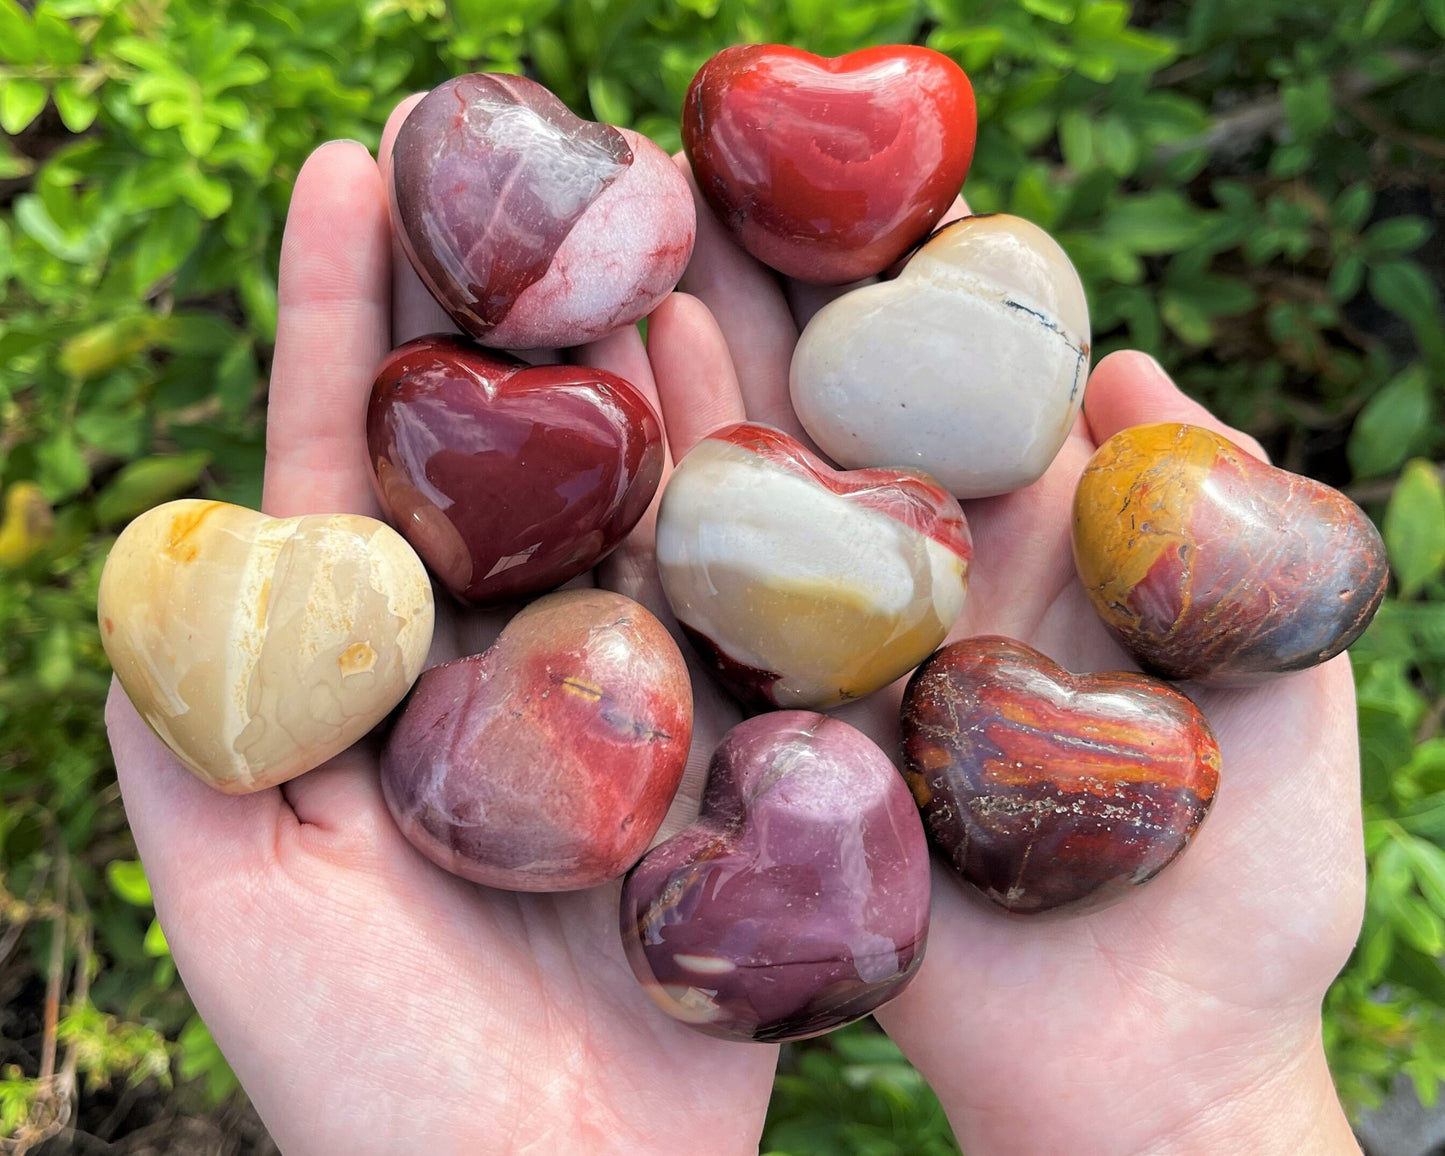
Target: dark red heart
<point x="829" y="169"/>
<point x="1044" y="788"/>
<point x="506" y="478"/>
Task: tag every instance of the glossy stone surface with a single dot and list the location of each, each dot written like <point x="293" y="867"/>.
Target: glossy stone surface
<point x="970" y="365"/>
<point x="829" y="169"/>
<point x="257" y="648"/>
<point x="531" y="227"/>
<point x="803" y="586"/>
<point x="547" y="762"/>
<point x="1045" y="789"/>
<point x="1208" y="564"/>
<point x="798" y="900"/>
<point x="508" y="479"/>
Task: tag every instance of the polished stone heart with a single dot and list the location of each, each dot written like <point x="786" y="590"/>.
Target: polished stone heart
<point x="798" y="900"/>
<point x="1207" y="564"/>
<point x="970" y="365"/>
<point x="829" y="169"/>
<point x="508" y="479"/>
<point x="531" y="227"/>
<point x="1044" y="789"/>
<point x="257" y="648"/>
<point x="547" y="762"/>
<point x="806" y="587"/>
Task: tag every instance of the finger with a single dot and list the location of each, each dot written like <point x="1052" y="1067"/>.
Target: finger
<point x="414" y="311"/>
<point x="331" y="333"/>
<point x="751" y="312"/>
<point x="1130" y="388"/>
<point x="697" y="384"/>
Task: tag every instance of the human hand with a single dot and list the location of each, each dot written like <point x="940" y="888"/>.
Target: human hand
<point x="1186" y="1018"/>
<point x="368" y="1001"/>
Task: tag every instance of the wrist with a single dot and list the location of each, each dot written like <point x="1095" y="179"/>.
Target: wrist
<point x="1220" y="1088"/>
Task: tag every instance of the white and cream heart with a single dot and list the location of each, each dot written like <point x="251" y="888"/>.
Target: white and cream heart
<point x="969" y="366"/>
<point x="256" y="647"/>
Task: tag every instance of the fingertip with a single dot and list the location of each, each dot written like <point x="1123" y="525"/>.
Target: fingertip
<point x="393" y="126"/>
<point x="697" y="384"/>
<point x="1130" y="388"/>
<point x="621" y="352"/>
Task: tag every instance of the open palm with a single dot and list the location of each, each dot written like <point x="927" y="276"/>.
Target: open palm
<point x="1164" y="1022"/>
<point x="372" y="1003"/>
<point x="368" y="1001"/>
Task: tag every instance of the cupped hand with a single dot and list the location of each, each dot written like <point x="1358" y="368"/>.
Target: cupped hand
<point x="368" y="1001"/>
<point x="1185" y="1018"/>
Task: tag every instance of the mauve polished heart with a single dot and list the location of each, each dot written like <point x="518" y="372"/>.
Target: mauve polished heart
<point x="532" y="227"/>
<point x="506" y="478"/>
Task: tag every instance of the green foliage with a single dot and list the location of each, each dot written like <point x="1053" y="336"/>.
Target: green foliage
<point x="1206" y="173"/>
<point x="853" y="1094"/>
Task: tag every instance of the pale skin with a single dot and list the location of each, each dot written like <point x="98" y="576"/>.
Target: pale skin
<point x="371" y="1003"/>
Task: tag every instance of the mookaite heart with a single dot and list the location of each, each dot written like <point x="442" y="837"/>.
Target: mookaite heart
<point x="531" y="227"/>
<point x="508" y="479"/>
<point x="1044" y="789"/>
<point x="970" y="365"/>
<point x="258" y="648"/>
<point x="803" y="586"/>
<point x="547" y="762"/>
<point x="1208" y="564"/>
<point x="829" y="170"/>
<point x="797" y="901"/>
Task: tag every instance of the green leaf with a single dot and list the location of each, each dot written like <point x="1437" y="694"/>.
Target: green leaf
<point x="1308" y="104"/>
<point x="1419" y="925"/>
<point x="77" y="108"/>
<point x="18" y="41"/>
<point x="63" y="469"/>
<point x="1415" y="527"/>
<point x="1353" y="206"/>
<point x="1389" y="424"/>
<point x="1428" y="862"/>
<point x="1159" y="222"/>
<point x="146" y="483"/>
<point x="20" y="102"/>
<point x="1059" y="11"/>
<point x="155" y="944"/>
<point x="58" y="41"/>
<point x="169" y="238"/>
<point x="127" y="878"/>
<point x="609" y="99"/>
<point x="1076" y="139"/>
<point x="1435" y="13"/>
<point x="1405" y="288"/>
<point x="1396" y="236"/>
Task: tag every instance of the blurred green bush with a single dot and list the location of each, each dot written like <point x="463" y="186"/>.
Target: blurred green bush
<point x="1248" y="188"/>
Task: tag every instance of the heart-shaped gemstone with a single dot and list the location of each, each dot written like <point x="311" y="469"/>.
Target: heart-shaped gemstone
<point x="829" y="169"/>
<point x="1043" y="788"/>
<point x="798" y="900"/>
<point x="508" y="478"/>
<point x="1208" y="564"/>
<point x="970" y="365"/>
<point x="531" y="227"/>
<point x="548" y="762"/>
<point x="806" y="587"/>
<point x="258" y="648"/>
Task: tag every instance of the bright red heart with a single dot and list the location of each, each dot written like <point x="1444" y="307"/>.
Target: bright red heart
<point x="506" y="478"/>
<point x="829" y="169"/>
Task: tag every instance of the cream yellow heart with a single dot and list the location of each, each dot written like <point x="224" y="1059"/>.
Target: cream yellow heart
<point x="255" y="647"/>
